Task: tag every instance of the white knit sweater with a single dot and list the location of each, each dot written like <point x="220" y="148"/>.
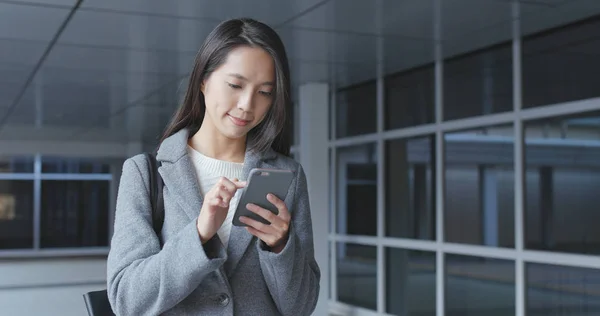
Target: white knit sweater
<point x="208" y="171"/>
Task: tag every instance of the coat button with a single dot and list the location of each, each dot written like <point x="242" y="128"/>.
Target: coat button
<point x="223" y="299"/>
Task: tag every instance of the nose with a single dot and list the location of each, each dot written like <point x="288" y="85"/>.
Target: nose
<point x="246" y="101"/>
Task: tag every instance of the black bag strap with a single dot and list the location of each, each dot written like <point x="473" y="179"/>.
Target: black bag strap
<point x="156" y="194"/>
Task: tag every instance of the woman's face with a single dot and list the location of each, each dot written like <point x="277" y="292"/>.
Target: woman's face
<point x="238" y="94"/>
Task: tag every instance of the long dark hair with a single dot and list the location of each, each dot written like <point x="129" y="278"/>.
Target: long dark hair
<point x="273" y="131"/>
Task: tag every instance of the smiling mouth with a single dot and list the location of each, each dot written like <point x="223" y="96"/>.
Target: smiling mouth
<point x="238" y="121"/>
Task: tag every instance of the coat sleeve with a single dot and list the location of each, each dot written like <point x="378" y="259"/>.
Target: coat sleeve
<point x="142" y="278"/>
<point x="293" y="275"/>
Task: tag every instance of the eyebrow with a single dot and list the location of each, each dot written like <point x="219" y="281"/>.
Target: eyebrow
<point x="236" y="75"/>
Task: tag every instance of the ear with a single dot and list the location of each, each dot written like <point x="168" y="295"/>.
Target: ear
<point x="202" y="84"/>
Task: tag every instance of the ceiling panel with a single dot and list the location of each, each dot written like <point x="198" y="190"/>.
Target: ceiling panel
<point x="407" y="18"/>
<point x="404" y="54"/>
<point x="21" y="53"/>
<point x="13" y="73"/>
<point x="60" y="77"/>
<point x="137" y="32"/>
<point x="8" y="92"/>
<point x="90" y="58"/>
<point x="269" y="11"/>
<point x="52" y="3"/>
<point x="567" y="12"/>
<point x="461" y="36"/>
<point x="16" y="22"/>
<point x="458" y="20"/>
<point x="306" y="45"/>
<point x="24" y="113"/>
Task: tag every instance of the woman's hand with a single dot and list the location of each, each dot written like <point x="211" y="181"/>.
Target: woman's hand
<point x="215" y="207"/>
<point x="274" y="235"/>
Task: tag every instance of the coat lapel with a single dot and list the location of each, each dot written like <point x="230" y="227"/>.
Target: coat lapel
<point x="240" y="239"/>
<point x="178" y="173"/>
<point x="179" y="177"/>
<point x="182" y="180"/>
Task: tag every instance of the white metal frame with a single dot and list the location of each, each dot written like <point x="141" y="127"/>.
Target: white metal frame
<point x="37" y="177"/>
<point x="517" y="117"/>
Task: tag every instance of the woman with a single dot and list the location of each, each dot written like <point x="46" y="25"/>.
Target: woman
<point x="232" y="120"/>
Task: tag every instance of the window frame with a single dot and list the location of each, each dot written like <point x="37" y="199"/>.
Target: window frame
<point x="37" y="177"/>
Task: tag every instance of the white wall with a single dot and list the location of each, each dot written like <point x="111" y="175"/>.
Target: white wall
<point x="49" y="286"/>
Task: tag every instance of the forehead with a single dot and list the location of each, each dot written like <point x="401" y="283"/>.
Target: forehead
<point x="253" y="63"/>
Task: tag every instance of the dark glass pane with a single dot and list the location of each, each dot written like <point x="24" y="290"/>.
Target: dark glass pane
<point x="562" y="291"/>
<point x="357" y="190"/>
<point x="16" y="214"/>
<point x="410" y="282"/>
<point x="561" y="65"/>
<point x="480" y="187"/>
<point x="16" y="164"/>
<point x="75" y="213"/>
<point x="479" y="286"/>
<point x="74" y="165"/>
<point x="357" y="275"/>
<point x="410" y="98"/>
<point x="410" y="188"/>
<point x="562" y="157"/>
<point x="356" y="110"/>
<point x="478" y="83"/>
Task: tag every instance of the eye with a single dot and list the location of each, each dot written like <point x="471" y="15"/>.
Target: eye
<point x="266" y="93"/>
<point x="234" y="86"/>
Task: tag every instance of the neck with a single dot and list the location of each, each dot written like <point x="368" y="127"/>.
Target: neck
<point x="211" y="143"/>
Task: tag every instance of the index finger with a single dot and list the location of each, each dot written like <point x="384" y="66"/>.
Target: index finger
<point x="227" y="185"/>
<point x="283" y="211"/>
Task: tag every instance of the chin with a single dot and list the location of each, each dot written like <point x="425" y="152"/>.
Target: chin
<point x="234" y="134"/>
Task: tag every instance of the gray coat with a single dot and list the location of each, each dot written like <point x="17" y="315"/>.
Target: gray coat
<point x="187" y="278"/>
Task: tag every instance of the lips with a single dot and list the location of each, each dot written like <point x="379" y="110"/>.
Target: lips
<point x="238" y="121"/>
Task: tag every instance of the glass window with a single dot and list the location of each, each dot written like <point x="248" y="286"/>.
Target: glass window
<point x="74" y="165"/>
<point x="479" y="83"/>
<point x="16" y="214"/>
<point x="356" y="110"/>
<point x="410" y="282"/>
<point x="357" y="275"/>
<point x="16" y="164"/>
<point x="561" y="65"/>
<point x="562" y="157"/>
<point x="410" y="188"/>
<point x="479" y="187"/>
<point x="357" y="190"/>
<point x="410" y="98"/>
<point x="561" y="291"/>
<point x="75" y="213"/>
<point x="479" y="286"/>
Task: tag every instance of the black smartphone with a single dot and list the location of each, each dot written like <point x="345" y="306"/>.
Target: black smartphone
<point x="260" y="183"/>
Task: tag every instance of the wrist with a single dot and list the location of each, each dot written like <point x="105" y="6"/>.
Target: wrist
<point x="203" y="235"/>
<point x="279" y="246"/>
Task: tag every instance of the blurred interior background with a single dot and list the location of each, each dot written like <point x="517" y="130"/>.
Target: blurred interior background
<point x="452" y="147"/>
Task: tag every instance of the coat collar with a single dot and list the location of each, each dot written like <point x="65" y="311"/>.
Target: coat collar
<point x="174" y="148"/>
<point x="180" y="179"/>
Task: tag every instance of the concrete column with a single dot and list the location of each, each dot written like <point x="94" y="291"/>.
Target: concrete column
<point x="314" y="123"/>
